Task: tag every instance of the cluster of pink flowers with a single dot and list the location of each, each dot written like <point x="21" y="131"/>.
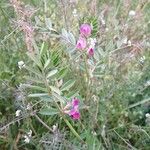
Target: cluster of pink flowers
<point x="72" y="109"/>
<point x="85" y="33"/>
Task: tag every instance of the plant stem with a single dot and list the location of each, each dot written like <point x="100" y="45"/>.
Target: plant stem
<point x="87" y="75"/>
<point x="44" y="124"/>
<point x="62" y="114"/>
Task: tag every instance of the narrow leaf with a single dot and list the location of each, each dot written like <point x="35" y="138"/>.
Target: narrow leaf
<point x="139" y="103"/>
<point x="49" y="111"/>
<point x="58" y="97"/>
<point x="62" y="73"/>
<point x="51" y="73"/>
<point x="72" y="94"/>
<point x="55" y="89"/>
<point x="33" y="71"/>
<point x="48" y="23"/>
<point x="38" y="95"/>
<point x="35" y="80"/>
<point x="34" y="58"/>
<point x="47" y="63"/>
<point x="35" y="87"/>
<point x="67" y="85"/>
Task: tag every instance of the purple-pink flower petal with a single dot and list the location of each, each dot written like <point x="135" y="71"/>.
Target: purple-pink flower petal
<point x="81" y="43"/>
<point x="74" y="111"/>
<point x="76" y="115"/>
<point x="85" y="30"/>
<point x="75" y="102"/>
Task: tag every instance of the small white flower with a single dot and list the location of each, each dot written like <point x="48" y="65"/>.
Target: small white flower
<point x="91" y="74"/>
<point x="55" y="127"/>
<point x="75" y="13"/>
<point x="129" y="43"/>
<point x="21" y="64"/>
<point x="28" y="137"/>
<point x="106" y="29"/>
<point x="30" y="133"/>
<point x="92" y="42"/>
<point x="74" y="1"/>
<point x="26" y="140"/>
<point x="124" y="40"/>
<point x="147" y="83"/>
<point x="94" y="133"/>
<point x="147" y="115"/>
<point x="142" y="59"/>
<point x="132" y="13"/>
<point x="18" y="112"/>
<point x="28" y="106"/>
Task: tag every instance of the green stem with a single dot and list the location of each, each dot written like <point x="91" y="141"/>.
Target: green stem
<point x="72" y="129"/>
<point x="86" y="67"/>
<point x="62" y="114"/>
<point x="87" y="75"/>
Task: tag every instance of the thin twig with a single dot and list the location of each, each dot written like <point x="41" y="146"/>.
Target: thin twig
<point x="44" y="124"/>
<point x="125" y="141"/>
<point x="12" y="122"/>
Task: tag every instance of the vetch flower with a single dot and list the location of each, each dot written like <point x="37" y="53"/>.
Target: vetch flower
<point x="81" y="43"/>
<point x="75" y="102"/>
<point x="74" y="109"/>
<point x="90" y="51"/>
<point x="85" y="30"/>
<point x="75" y="114"/>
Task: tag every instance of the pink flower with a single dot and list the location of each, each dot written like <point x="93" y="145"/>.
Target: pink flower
<point x="74" y="114"/>
<point x="75" y="102"/>
<point x="90" y="51"/>
<point x="85" y="30"/>
<point x="74" y="111"/>
<point x="81" y="43"/>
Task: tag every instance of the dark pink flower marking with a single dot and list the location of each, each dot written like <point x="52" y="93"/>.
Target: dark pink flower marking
<point x="90" y="51"/>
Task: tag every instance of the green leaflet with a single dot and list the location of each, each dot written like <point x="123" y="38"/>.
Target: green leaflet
<point x="67" y="85"/>
<point x="49" y="111"/>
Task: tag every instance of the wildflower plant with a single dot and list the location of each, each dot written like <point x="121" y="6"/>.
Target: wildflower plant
<point x="77" y="75"/>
